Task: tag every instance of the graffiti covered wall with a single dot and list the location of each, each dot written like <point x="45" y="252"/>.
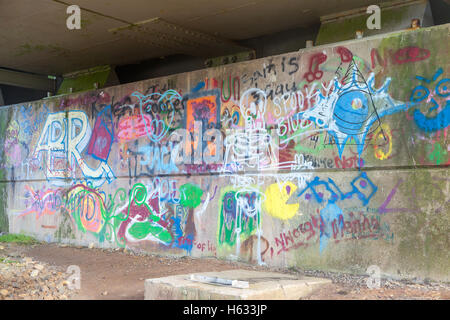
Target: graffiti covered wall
<point x="333" y="158"/>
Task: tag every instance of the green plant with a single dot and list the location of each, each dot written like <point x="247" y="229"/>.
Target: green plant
<point x="18" y="238"/>
<point x="6" y="260"/>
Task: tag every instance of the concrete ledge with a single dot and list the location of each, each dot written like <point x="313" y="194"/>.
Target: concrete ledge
<point x="262" y="286"/>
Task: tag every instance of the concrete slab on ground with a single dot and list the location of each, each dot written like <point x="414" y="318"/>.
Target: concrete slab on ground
<point x="262" y="286"/>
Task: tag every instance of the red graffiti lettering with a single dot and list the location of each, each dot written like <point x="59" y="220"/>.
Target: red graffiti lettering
<point x="401" y="56"/>
<point x="314" y="73"/>
<point x="346" y="55"/>
<point x="411" y="54"/>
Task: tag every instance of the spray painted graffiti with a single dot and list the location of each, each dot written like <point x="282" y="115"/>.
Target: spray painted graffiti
<point x="276" y="196"/>
<point x="400" y="56"/>
<point x="438" y="100"/>
<point x="42" y="202"/>
<point x="351" y="109"/>
<point x="344" y="227"/>
<point x="161" y="109"/>
<point x="240" y="218"/>
<point x="281" y="155"/>
<point x="328" y="193"/>
<point x="63" y="139"/>
<point x="93" y="212"/>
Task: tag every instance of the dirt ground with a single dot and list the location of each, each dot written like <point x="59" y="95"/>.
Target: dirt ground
<point x="114" y="274"/>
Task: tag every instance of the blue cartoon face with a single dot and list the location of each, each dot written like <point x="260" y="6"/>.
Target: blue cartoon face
<point x="422" y="94"/>
<point x="443" y="88"/>
<point x="351" y="112"/>
<point x="436" y="99"/>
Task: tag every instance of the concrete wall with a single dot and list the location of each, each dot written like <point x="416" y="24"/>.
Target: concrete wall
<point x="332" y="158"/>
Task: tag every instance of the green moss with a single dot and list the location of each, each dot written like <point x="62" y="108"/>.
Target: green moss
<point x="85" y="81"/>
<point x="423" y="230"/>
<point x="64" y="230"/>
<point x="5" y="116"/>
<point x="344" y="29"/>
<point x="52" y="49"/>
<point x="404" y="75"/>
<point x="340" y="30"/>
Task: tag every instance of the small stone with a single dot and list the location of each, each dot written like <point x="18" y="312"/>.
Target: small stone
<point x="34" y="273"/>
<point x="14" y="254"/>
<point x="2" y="248"/>
<point x="91" y="245"/>
<point x="28" y="260"/>
<point x="104" y="293"/>
<point x="4" y="292"/>
<point x="39" y="267"/>
<point x="45" y="289"/>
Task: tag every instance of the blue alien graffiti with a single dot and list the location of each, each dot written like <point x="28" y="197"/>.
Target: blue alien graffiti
<point x="350" y="111"/>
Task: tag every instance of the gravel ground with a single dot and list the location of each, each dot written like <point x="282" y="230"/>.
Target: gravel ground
<point x="22" y="278"/>
<point x="38" y="272"/>
<point x="354" y="287"/>
<point x="361" y="281"/>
